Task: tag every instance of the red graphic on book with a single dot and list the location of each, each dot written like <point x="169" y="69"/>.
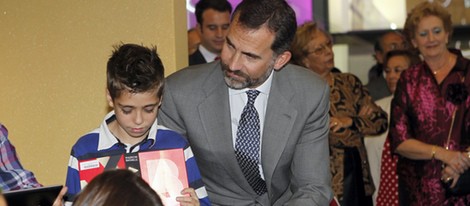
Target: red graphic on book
<point x="89" y="169"/>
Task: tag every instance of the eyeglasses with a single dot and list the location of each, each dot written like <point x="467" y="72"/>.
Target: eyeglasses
<point x="320" y="50"/>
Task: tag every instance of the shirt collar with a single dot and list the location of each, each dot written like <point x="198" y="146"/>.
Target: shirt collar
<point x="208" y="56"/>
<point x="107" y="139"/>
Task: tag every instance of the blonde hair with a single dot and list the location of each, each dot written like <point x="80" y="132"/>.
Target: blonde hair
<point x="303" y="35"/>
<point x="426" y="9"/>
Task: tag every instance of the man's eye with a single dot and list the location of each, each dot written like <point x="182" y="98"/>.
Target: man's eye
<point x="126" y="111"/>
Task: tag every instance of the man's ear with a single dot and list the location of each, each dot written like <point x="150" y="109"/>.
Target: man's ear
<point x="199" y="29"/>
<point x="110" y="99"/>
<point x="379" y="56"/>
<point x="282" y="59"/>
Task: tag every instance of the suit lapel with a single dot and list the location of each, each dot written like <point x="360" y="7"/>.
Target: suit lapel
<point x="279" y="120"/>
<point x="214" y="113"/>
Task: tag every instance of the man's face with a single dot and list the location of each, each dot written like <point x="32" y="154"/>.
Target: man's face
<point x="135" y="114"/>
<point x="214" y="29"/>
<point x="390" y="41"/>
<point x="247" y="59"/>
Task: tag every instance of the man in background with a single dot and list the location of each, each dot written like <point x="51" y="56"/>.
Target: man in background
<point x="213" y="20"/>
<point x="377" y="85"/>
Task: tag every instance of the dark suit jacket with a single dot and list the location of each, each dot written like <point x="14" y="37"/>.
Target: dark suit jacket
<point x="196" y="58"/>
<point x="294" y="150"/>
<point x="378" y="88"/>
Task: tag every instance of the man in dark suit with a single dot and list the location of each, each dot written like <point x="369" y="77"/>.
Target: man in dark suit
<point x="213" y="19"/>
<point x="377" y="85"/>
<point x="289" y="141"/>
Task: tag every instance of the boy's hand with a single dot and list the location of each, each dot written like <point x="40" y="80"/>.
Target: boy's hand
<point x="58" y="201"/>
<point x="191" y="200"/>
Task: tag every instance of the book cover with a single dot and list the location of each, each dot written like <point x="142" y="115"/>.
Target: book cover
<point x="163" y="170"/>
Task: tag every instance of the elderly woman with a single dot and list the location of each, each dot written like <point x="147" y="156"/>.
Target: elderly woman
<point x="430" y="118"/>
<point x="352" y="115"/>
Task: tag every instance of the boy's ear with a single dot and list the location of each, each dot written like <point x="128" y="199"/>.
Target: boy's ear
<point x="110" y="99"/>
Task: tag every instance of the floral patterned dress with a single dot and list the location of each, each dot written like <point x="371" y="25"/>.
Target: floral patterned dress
<point x="422" y="110"/>
<point x="347" y="97"/>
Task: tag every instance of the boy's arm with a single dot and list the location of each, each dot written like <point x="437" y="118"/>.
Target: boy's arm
<point x="73" y="179"/>
<point x="194" y="177"/>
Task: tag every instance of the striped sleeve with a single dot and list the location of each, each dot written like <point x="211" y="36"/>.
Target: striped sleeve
<point x="194" y="177"/>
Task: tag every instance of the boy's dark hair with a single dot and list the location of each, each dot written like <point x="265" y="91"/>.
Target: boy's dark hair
<point x="134" y="68"/>
<point x="218" y="5"/>
<point x="277" y="15"/>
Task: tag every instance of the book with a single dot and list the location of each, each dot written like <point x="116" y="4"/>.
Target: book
<point x="33" y="196"/>
<point x="163" y="170"/>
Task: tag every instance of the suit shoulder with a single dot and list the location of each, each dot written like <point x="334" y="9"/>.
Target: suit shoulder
<point x="192" y="74"/>
<point x="300" y="75"/>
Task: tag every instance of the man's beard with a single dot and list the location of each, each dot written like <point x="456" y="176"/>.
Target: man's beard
<point x="247" y="81"/>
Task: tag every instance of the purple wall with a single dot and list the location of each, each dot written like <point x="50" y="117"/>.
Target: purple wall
<point x="302" y="8"/>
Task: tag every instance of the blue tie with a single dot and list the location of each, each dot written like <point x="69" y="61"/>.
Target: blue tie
<point x="247" y="145"/>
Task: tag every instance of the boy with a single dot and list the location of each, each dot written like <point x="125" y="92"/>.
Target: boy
<point x="135" y="84"/>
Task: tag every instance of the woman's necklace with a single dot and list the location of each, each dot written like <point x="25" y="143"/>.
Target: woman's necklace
<point x="435" y="72"/>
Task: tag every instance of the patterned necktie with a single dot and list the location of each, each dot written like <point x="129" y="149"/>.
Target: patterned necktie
<point x="247" y="145"/>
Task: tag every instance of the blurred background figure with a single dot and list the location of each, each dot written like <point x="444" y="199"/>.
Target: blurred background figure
<point x="353" y="114"/>
<point x="12" y="175"/>
<point x="395" y="62"/>
<point x="423" y="128"/>
<point x="213" y="20"/>
<point x="118" y="187"/>
<point x="377" y="85"/>
<point x="193" y="40"/>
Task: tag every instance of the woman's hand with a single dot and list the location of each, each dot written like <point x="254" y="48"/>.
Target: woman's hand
<point x="189" y="199"/>
<point x="456" y="164"/>
<point x="337" y="123"/>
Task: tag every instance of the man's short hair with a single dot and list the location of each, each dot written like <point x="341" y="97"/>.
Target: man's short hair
<point x="277" y="15"/>
<point x="134" y="68"/>
<point x="218" y="5"/>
